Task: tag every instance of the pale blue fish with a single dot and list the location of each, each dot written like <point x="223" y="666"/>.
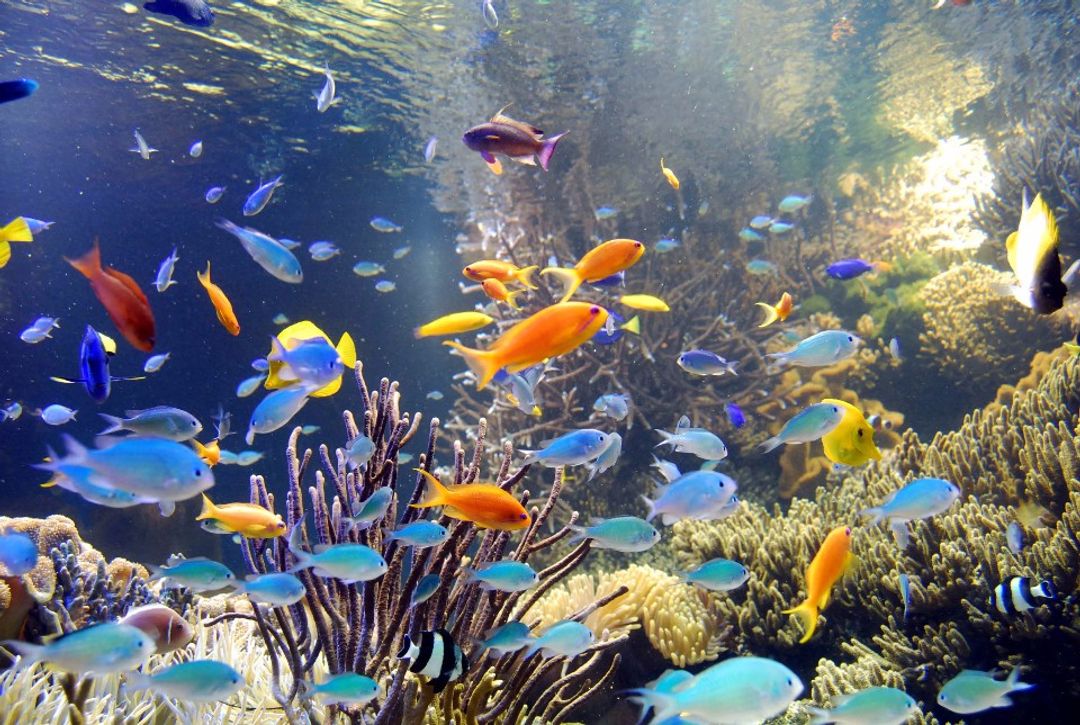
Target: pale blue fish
<point x="404" y="458"/>
<point x="429" y="149"/>
<point x="322" y="251"/>
<point x="780" y="227"/>
<point x="277" y="409"/>
<point x="665" y="245"/>
<point x="40" y="330"/>
<point x="155" y="362"/>
<point x="425" y="588"/>
<point x="973" y="691"/>
<point x="248" y="386"/>
<point x="696" y="441"/>
<point x="382" y="224"/>
<point x="368" y="269"/>
<point x="508" y="638"/>
<point x="249" y="458"/>
<point x="371" y="509"/>
<point x="278" y="590"/>
<point x="402" y="252"/>
<point x="562" y="639"/>
<point x="161" y="421"/>
<point x="698" y="495"/>
<point x="571" y="449"/>
<point x="920" y="499"/>
<point x="163" y="280"/>
<point x="808" y="425"/>
<point x="761" y="267"/>
<point x="747" y="234"/>
<point x="667" y="469"/>
<point x="57" y="414"/>
<point x="360" y="450"/>
<point x="36" y="225"/>
<point x="100" y="648"/>
<point x="705" y="362"/>
<point x="198" y="574"/>
<point x="11" y="411"/>
<point x="314" y="362"/>
<point x="196" y="150"/>
<point x="605" y="212"/>
<point x="347" y="688"/>
<point x="615" y="405"/>
<point x="870" y="706"/>
<point x="228" y="458"/>
<point x="326" y="97"/>
<point x="18" y="553"/>
<point x="214" y="194"/>
<point x="289" y="244"/>
<point x="793" y="203"/>
<point x="83" y="481"/>
<point x="894" y="349"/>
<point x="420" y="534"/>
<point x="718" y="575"/>
<point x="259" y="198"/>
<point x="827" y="347"/>
<point x="141" y="147"/>
<point x="434" y="395"/>
<point x="384" y="286"/>
<point x="607" y="458"/>
<point x="260" y="364"/>
<point x="521" y="388"/>
<point x="349" y="563"/>
<point x="280" y="319"/>
<point x="905" y="593"/>
<point x="627" y="534"/>
<point x="194" y="681"/>
<point x="310" y="429"/>
<point x="267" y="252"/>
<point x="1014" y="537"/>
<point x="761" y="221"/>
<point x="503" y="576"/>
<point x="491" y="18"/>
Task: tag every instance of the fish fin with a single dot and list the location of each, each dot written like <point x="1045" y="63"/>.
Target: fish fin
<point x="66" y="381"/>
<point x="116" y="424"/>
<point x="167" y="508"/>
<point x="808" y="615"/>
<point x="209" y="510"/>
<point x="524" y="275"/>
<point x="771" y="315"/>
<point x="524" y="160"/>
<point x="769" y="445"/>
<point x="5" y="253"/>
<point x="134" y="681"/>
<point x="88" y="264"/>
<point x="435" y="494"/>
<point x="17" y="230"/>
<point x="346" y="348"/>
<point x="818" y="716"/>
<point x="482" y="362"/>
<point x="568" y="277"/>
<point x="664" y="705"/>
<point x="900" y="533"/>
<point x="651" y="506"/>
<point x="1014" y="683"/>
<point x="851" y="562"/>
<point x="633" y="326"/>
<point x="28" y="653"/>
<point x="876" y="513"/>
<point x="204" y="279"/>
<point x="511" y="299"/>
<point x="579" y="533"/>
<point x="547" y="149"/>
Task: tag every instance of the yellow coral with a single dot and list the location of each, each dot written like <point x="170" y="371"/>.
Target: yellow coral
<point x="681" y="622"/>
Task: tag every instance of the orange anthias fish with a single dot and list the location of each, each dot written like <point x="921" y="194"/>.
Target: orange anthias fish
<point x="484" y="504"/>
<point x="553" y="331"/>
<point x="502" y="271"/>
<point x="122" y="298"/>
<point x="779" y="311"/>
<point x="611" y="257"/>
<point x="222" y="306"/>
<point x="247" y="519"/>
<point x="497" y="291"/>
<point x="832" y="561"/>
<point x="209" y="453"/>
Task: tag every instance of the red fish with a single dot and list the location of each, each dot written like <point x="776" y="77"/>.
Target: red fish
<point x="126" y="304"/>
<point x="520" y="141"/>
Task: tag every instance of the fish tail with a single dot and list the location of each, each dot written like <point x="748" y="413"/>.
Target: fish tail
<point x="209" y="510"/>
<point x="16" y="230"/>
<point x="5" y="253"/>
<point x="547" y="149"/>
<point x="435" y="494"/>
<point x="769" y="445"/>
<point x="482" y="362"/>
<point x="524" y="275"/>
<point x="634" y="325"/>
<point x="808" y="615"/>
<point x="1014" y="683"/>
<point x="346" y="348"/>
<point x="663" y="704"/>
<point x="579" y="534"/>
<point x="137" y="681"/>
<point x="204" y="279"/>
<point x="877" y="513"/>
<point x="651" y="506"/>
<point x="666" y="436"/>
<point x="568" y="278"/>
<point x="303" y="559"/>
<point x="511" y="299"/>
<point x="116" y="425"/>
<point x="818" y="716"/>
<point x="779" y="359"/>
<point x="28" y="653"/>
<point x="90" y="263"/>
<point x="771" y="315"/>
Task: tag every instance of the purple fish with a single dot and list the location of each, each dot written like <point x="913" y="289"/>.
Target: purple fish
<point x="850" y="268"/>
<point x="616" y="280"/>
<point x="735" y="415"/>
<point x="503" y="135"/>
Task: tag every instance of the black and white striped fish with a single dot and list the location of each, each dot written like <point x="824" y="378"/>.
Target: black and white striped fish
<point x="1017" y="595"/>
<point x="436" y="656"/>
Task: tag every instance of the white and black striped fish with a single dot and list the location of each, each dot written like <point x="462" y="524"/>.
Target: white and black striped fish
<point x="436" y="656"/>
<point x="1017" y="595"/>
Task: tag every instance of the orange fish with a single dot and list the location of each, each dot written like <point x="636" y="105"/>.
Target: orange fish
<point x="484" y="504"/>
<point x="247" y="519"/>
<point x="497" y="291"/>
<point x="222" y="306"/>
<point x="611" y="257"/>
<point x="779" y="311"/>
<point x="832" y="561"/>
<point x="553" y="331"/>
<point x="210" y="453"/>
<point x="502" y="271"/>
<point x="126" y="304"/>
<point x="672" y="179"/>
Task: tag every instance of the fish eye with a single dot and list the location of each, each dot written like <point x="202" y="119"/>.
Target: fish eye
<point x="522" y="517"/>
<point x="594" y="310"/>
<point x="198" y="473"/>
<point x="860" y="432"/>
<point x="835" y="409"/>
<point x="847" y="531"/>
<point x="638" y="245"/>
<point x="789" y="682"/>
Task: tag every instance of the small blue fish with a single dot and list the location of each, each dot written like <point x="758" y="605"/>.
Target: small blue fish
<point x="761" y="221"/>
<point x="735" y="415"/>
<point x="905" y="593"/>
<point x="276" y="410"/>
<point x="313" y="362"/>
<point x="808" y="425"/>
<point x="40" y="330"/>
<point x="780" y="227"/>
<point x="94" y="353"/>
<point x="18" y="553"/>
<point x="310" y="429"/>
<point x="871" y="706"/>
<point x="696" y="441"/>
<point x="360" y="450"/>
<point x="368" y="269"/>
<point x="260" y="364"/>
<point x="825" y="348"/>
<point x="161" y="421"/>
<point x="327" y="97"/>
<point x="100" y="648"/>
<point x="429" y="149"/>
<point x="248" y="386"/>
<point x="420" y="534"/>
<point x="627" y="534"/>
<point x="198" y="574"/>
<point x="214" y="194"/>
<point x="570" y="449"/>
<point x="280" y="319"/>
<point x="189" y="12"/>
<point x="605" y="212"/>
<point x="267" y="252"/>
<point x="704" y="362"/>
<point x="222" y="422"/>
<point x="793" y="203"/>
<point x="322" y="251"/>
<point x="163" y="280"/>
<point x="259" y="198"/>
<point x="16" y="89"/>
<point x="508" y="638"/>
<point x="249" y="458"/>
<point x="57" y="414"/>
<point x="760" y="267"/>
<point x="566" y="638"/>
<point x="425" y="588"/>
<point x="667" y="244"/>
<point x="434" y="395"/>
<point x="228" y="458"/>
<point x="12" y="411"/>
<point x="894" y="349"/>
<point x="350" y="563"/>
<point x="382" y="224"/>
<point x="385" y="286"/>
<point x="195" y="681"/>
<point x="847" y="269"/>
<point x="503" y="576"/>
<point x="372" y="509"/>
<point x="920" y="499"/>
<point x="155" y="362"/>
<point x="36" y="225"/>
<point x="747" y="234"/>
<point x="615" y="405"/>
<point x="607" y="458"/>
<point x="1014" y="536"/>
<point x="614" y="280"/>
<point x="667" y="469"/>
<point x="973" y="691"/>
<point x="196" y="150"/>
<point x="718" y="575"/>
<point x="698" y="495"/>
<point x="348" y="688"/>
<point x="278" y="590"/>
<point x="141" y="147"/>
<point x="289" y="244"/>
<point x="402" y="252"/>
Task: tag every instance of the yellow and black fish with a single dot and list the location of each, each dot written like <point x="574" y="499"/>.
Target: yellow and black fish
<point x="1033" y="255"/>
<point x="436" y="656"/>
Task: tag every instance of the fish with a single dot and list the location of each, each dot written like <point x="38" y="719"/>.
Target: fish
<point x="382" y="224"/>
<point x="420" y="534"/>
<point x="905" y="593"/>
<point x="614" y="405"/>
<point x="168" y="630"/>
<point x="570" y="449"/>
<point x="454" y="324"/>
<point x="503" y="576"/>
<point x="717" y="575"/>
<point x="222" y="306"/>
<point x="648" y="303"/>
<point x="607" y="458"/>
<point x="973" y="691"/>
<point x="210" y="454"/>
<point x="310" y="429"/>
<point x="434" y="395"/>
<point x="516" y="140"/>
<point x="193" y="681"/>
<point x="12" y="411"/>
<point x="326" y="97"/>
<point x="277" y="590"/>
<point x="402" y="252"/>
<point x="40" y="330"/>
<point x="248" y="386"/>
<point x="807" y="426"/>
<point x="920" y="499"/>
<point x="759" y="267"/>
<point x="289" y="244"/>
<point x="831" y="562"/>
<point x="222" y="422"/>
<point x="698" y="495"/>
<point x="350" y="563"/>
<point x="18" y="553"/>
<point x="385" y="286"/>
<point x="164" y="280"/>
<point x="520" y="392"/>
<point x="562" y="639"/>
<point x="83" y="481"/>
<point x="614" y="328"/>
<point x="323" y="251"/>
<point x="16" y="89"/>
<point x="667" y="469"/>
<point x="549" y="333"/>
<point x="189" y="12"/>
<point x="248" y="458"/>
<point x="198" y="574"/>
<point x="196" y="149"/>
<point x="258" y="199"/>
<point x="484" y="504"/>
<point x="1032" y="252"/>
<point x="852" y="442"/>
<point x="894" y="349"/>
<point x="705" y="362"/>
<point x="1014" y="537"/>
<point x="123" y="300"/>
<point x="160" y="421"/>
<point x="869" y="706"/>
<point x="735" y="415"/>
<point x="747" y="234"/>
<point x="779" y="226"/>
<point x="100" y="648"/>
<point x="247" y="519"/>
<point x="846" y="269"/>
<point x="793" y="203"/>
<point x="503" y="271"/>
<point x="508" y="638"/>
<point x="627" y="534"/>
<point x="425" y="588"/>
<point x="491" y="19"/>
<point x="430" y="148"/>
<point x="672" y="179"/>
<point x="603" y="213"/>
<point x="761" y="221"/>
<point x="779" y="311"/>
<point x="141" y="147"/>
<point x="600" y="262"/>
<point x="368" y="269"/>
<point x="436" y="656"/>
<point x="824" y="348"/>
<point x="314" y="362"/>
<point x="665" y="245"/>
<point x="347" y="688"/>
<point x="498" y="291"/>
<point x="1018" y="595"/>
<point x="57" y="414"/>
<point x="360" y="450"/>
<point x="214" y="194"/>
<point x="303" y="333"/>
<point x="36" y="225"/>
<point x="276" y="410"/>
<point x="155" y="363"/>
<point x="696" y="441"/>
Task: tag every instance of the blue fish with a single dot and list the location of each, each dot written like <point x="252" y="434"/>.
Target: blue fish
<point x="793" y="203"/>
<point x="259" y="198"/>
<point x="570" y="449"/>
<point x="426" y="587"/>
<point x="314" y="362"/>
<point x="761" y="221"/>
<point x="214" y="194"/>
<point x="735" y="415"/>
<point x="698" y="495"/>
<point x="248" y="386"/>
<point x="608" y="458"/>
<point x="615" y="280"/>
<point x="627" y="534"/>
<point x="382" y="224"/>
<point x="14" y="90"/>
<point x="277" y="409"/>
<point x="508" y="638"/>
<point x="759" y="267"/>
<point x="850" y="268"/>
<point x="718" y="575"/>
<point x="322" y="251"/>
<point x="420" y="534"/>
<point x="360" y="451"/>
<point x="268" y="253"/>
<point x="825" y="348"/>
<point x="566" y="638"/>
<point x="667" y="244"/>
<point x="94" y="356"/>
<point x="36" y="225"/>
<point x="616" y="405"/>
<point x="503" y="576"/>
<point x="373" y="508"/>
<point x="279" y="590"/>
<point x="189" y="12"/>
<point x="18" y="553"/>
<point x="920" y="499"/>
<point x="780" y="227"/>
<point x="747" y="234"/>
<point x="808" y="425"/>
<point x="905" y="593"/>
<point x="605" y="212"/>
<point x="705" y="362"/>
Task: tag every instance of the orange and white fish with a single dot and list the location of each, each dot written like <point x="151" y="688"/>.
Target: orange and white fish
<point x="553" y="331"/>
<point x="831" y="562"/>
<point x="247" y="519"/>
<point x="779" y="311"/>
<point x="669" y="175"/>
<point x="497" y="291"/>
<point x="122" y="298"/>
<point x="484" y="504"/>
<point x="222" y="306"/>
<point x="604" y="260"/>
<point x="503" y="271"/>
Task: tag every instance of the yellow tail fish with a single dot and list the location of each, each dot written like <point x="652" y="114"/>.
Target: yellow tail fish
<point x="831" y="562"/>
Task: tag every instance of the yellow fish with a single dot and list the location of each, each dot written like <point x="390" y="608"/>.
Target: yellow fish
<point x="222" y="306"/>
<point x="247" y="519"/>
<point x="669" y="175"/>
<point x="852" y="442"/>
<point x="832" y="561"/>
<point x="17" y="230"/>
<point x="779" y="311"/>
<point x="210" y="453"/>
<point x="1033" y="255"/>
<point x="647" y="303"/>
<point x="295" y="334"/>
<point x="454" y="324"/>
